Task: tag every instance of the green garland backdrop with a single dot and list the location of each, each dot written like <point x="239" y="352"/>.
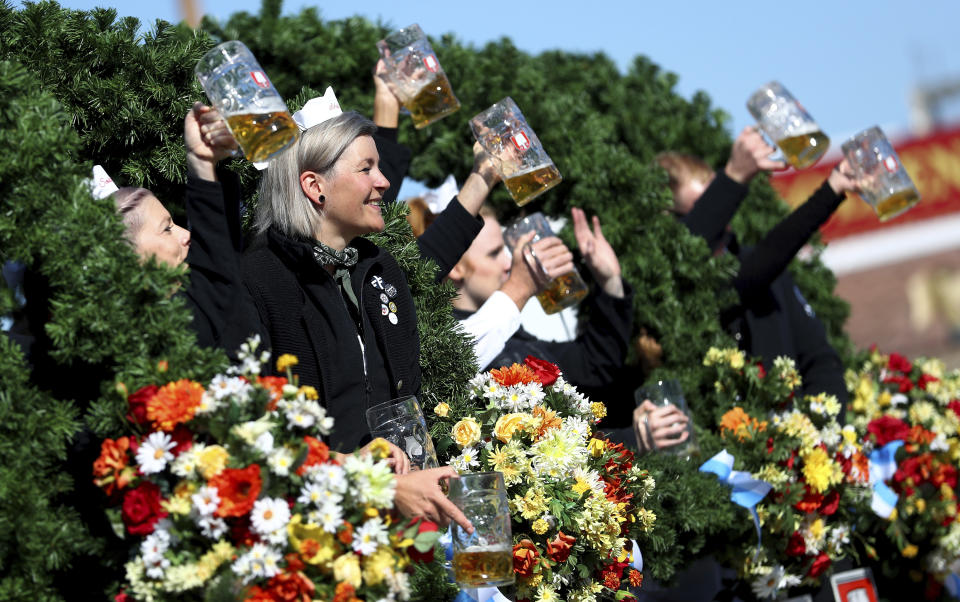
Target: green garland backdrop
<point x="85" y="87"/>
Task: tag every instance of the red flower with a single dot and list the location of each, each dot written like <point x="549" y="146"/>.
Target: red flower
<point x="955" y="406"/>
<point x="820" y="564"/>
<point x="525" y="557"/>
<point x="761" y="373"/>
<point x="141" y="508"/>
<point x="238" y="489"/>
<point x="636" y="578"/>
<point x="898" y="363"/>
<point x="240" y="532"/>
<point x="887" y="428"/>
<point x="903" y="382"/>
<point x="183" y="438"/>
<point x="425" y="526"/>
<point x="810" y="502"/>
<point x="122" y="597"/>
<point x="137" y="403"/>
<point x="926" y="379"/>
<point x="610" y="580"/>
<point x="317" y="453"/>
<point x="547" y="373"/>
<point x="830" y="503"/>
<point x="796" y="546"/>
<point x="559" y="549"/>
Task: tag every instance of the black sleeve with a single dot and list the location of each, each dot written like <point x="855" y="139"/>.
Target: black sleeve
<point x="449" y="236"/>
<point x="215" y="283"/>
<point x="394" y="160"/>
<point x="765" y="262"/>
<point x="818" y="362"/>
<point x="715" y="208"/>
<point x="593" y="359"/>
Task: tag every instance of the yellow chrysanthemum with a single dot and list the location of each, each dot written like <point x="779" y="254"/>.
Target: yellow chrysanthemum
<point x="819" y="471"/>
<point x="308" y="392"/>
<point x="598" y="410"/>
<point x="212" y="460"/>
<point x="285" y="361"/>
<point x="540" y="526"/>
<point x="441" y="409"/>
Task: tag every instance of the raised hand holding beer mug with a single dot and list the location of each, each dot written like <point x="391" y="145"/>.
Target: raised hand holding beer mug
<point x="484" y="557"/>
<point x="884" y="183"/>
<point x="788" y="124"/>
<point x="524" y="167"/>
<point x="253" y="109"/>
<point x="556" y="293"/>
<point x="401" y="422"/>
<point x="416" y="77"/>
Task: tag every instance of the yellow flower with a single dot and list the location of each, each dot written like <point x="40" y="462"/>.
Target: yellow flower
<point x="508" y="424"/>
<point x="377" y="565"/>
<point x="286" y="361"/>
<point x="819" y="471"/>
<point x="910" y="551"/>
<point x="347" y="568"/>
<point x="540" y="526"/>
<point x="737" y="360"/>
<point x="466" y="432"/>
<point x="312" y="543"/>
<point x="921" y="505"/>
<point x="598" y="410"/>
<point x="597" y="447"/>
<point x="441" y="409"/>
<point x="176" y="505"/>
<point x="308" y="392"/>
<point x="212" y="460"/>
<point x="884" y="399"/>
<point x="380" y="448"/>
<point x="580" y="487"/>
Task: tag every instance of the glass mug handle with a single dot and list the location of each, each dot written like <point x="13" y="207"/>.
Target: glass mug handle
<point x="533" y="262"/>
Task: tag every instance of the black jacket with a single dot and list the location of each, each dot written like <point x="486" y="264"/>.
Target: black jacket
<point x="299" y="309"/>
<point x="773" y="318"/>
<point x="593" y="358"/>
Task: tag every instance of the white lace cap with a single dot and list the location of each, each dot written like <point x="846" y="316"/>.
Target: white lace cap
<point x="101" y="185"/>
<point x="437" y="199"/>
<point x="314" y="112"/>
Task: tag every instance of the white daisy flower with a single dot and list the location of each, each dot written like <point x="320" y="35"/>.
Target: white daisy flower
<point x="331" y="477"/>
<point x="212" y="527"/>
<point x="264" y="442"/>
<point x="206" y="500"/>
<point x="768" y="584"/>
<point x="269" y="514"/>
<point x="154" y="545"/>
<point x="371" y="534"/>
<point x="259" y="563"/>
<point x="156" y="566"/>
<point x="330" y="516"/>
<point x="208" y="404"/>
<point x="311" y="494"/>
<point x="298" y="418"/>
<point x="185" y="465"/>
<point x="280" y="461"/>
<point x="277" y="538"/>
<point x="467" y="459"/>
<point x="154" y="452"/>
<point x="898" y="399"/>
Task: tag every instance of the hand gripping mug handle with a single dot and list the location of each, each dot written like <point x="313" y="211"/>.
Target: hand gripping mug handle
<point x="529" y="255"/>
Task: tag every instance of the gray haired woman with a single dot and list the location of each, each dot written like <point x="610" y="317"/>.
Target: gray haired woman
<point x="334" y="299"/>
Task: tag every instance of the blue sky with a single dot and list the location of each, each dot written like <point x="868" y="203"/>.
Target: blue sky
<point x="852" y="63"/>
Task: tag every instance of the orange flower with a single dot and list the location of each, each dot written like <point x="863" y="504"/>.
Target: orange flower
<point x="273" y="384"/>
<point x="740" y="423"/>
<point x="920" y="435"/>
<point x="636" y="578"/>
<point x="345" y="534"/>
<point x="291" y="585"/>
<point x="514" y="375"/>
<point x="238" y="489"/>
<point x="317" y="453"/>
<point x="111" y="471"/>
<point x="550" y="420"/>
<point x="345" y="593"/>
<point x="559" y="549"/>
<point x="525" y="557"/>
<point x="175" y="403"/>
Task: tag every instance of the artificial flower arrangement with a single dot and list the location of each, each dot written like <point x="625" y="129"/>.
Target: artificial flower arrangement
<point x="817" y="472"/>
<point x="225" y="492"/>
<point x="576" y="500"/>
<point x="912" y="411"/>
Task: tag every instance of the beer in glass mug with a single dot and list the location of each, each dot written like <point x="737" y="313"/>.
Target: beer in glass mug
<point x="884" y="183"/>
<point x="483" y="558"/>
<point x="418" y="79"/>
<point x="563" y="291"/>
<point x="525" y="168"/>
<point x="788" y="124"/>
<point x="253" y="109"/>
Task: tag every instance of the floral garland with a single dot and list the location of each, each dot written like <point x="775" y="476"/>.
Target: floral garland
<point x="229" y="494"/>
<point x="914" y="409"/>
<point x="576" y="501"/>
<point x="817" y="469"/>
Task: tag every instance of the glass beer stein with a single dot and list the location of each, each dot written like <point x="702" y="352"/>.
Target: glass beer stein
<point x="884" y="183"/>
<point x="788" y="124"/>
<point x="485" y="557"/>
<point x="524" y="166"/>
<point x="253" y="109"/>
<point x="563" y="291"/>
<point x="417" y="77"/>
<point x="401" y="422"/>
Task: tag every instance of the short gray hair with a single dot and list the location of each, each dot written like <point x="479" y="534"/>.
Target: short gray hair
<point x="282" y="202"/>
<point x="128" y="200"/>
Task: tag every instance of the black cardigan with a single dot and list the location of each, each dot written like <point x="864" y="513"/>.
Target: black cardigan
<point x="299" y="309"/>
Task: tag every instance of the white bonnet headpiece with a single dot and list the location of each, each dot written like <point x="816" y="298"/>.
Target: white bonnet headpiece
<point x="101" y="185"/>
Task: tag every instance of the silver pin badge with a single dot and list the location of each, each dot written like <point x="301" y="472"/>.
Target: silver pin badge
<point x="393" y="318"/>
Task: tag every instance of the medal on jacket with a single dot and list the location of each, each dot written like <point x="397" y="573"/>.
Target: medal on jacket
<point x="387" y="307"/>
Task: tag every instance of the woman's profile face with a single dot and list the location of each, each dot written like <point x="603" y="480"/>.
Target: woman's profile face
<point x="353" y="192"/>
<point x="158" y="236"/>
